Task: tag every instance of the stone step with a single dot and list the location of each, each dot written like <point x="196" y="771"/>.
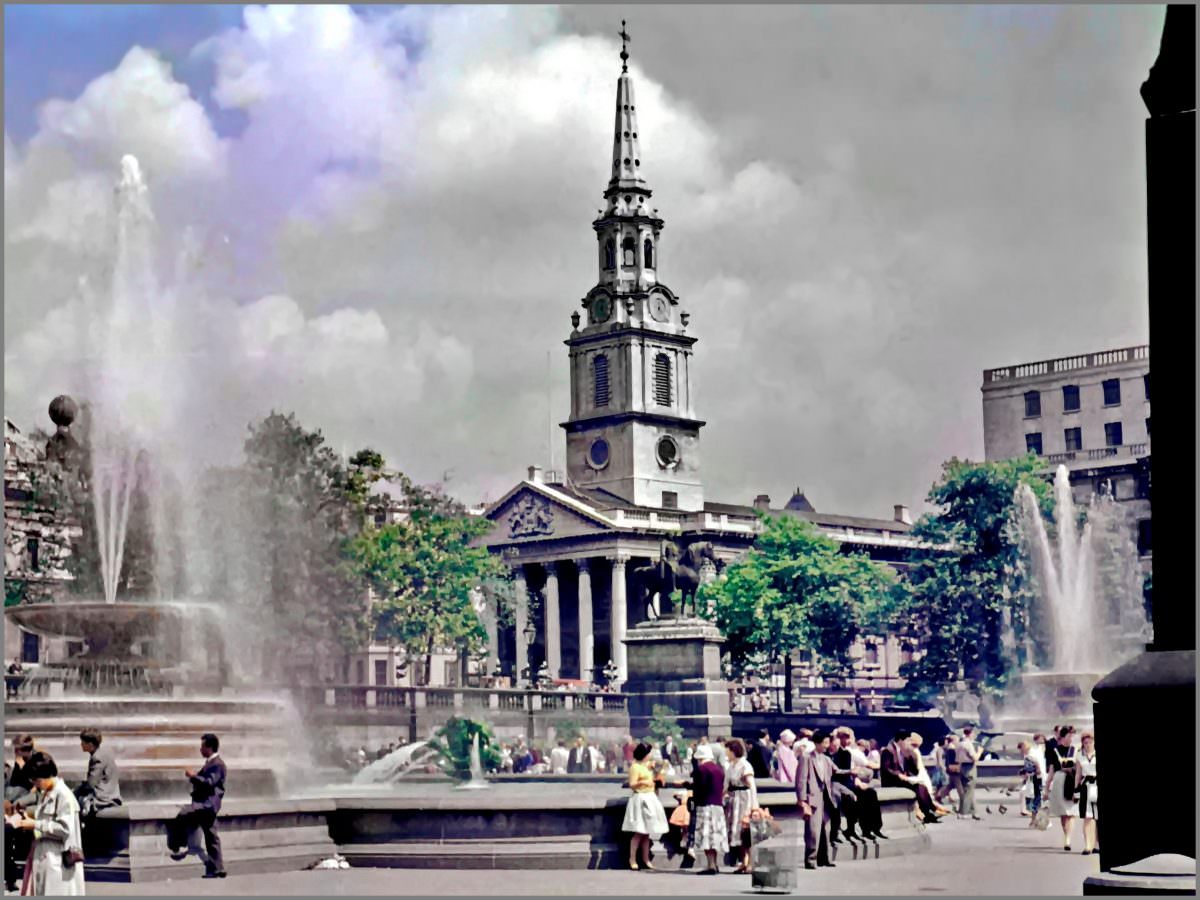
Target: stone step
<point x="560" y="852"/>
<point x="244" y="838"/>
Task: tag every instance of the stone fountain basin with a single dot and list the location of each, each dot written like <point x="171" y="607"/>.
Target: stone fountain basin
<point x="91" y="619"/>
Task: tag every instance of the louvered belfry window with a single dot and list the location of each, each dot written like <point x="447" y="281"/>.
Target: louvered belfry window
<point x="600" y="380"/>
<point x="662" y="380"/>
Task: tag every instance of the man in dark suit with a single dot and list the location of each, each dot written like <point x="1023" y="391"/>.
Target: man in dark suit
<point x="579" y="760"/>
<point x="102" y="788"/>
<point x="208" y="788"/>
<point x="760" y="755"/>
<point x="814" y="794"/>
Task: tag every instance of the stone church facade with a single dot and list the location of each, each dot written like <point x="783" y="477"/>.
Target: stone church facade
<point x="633" y="475"/>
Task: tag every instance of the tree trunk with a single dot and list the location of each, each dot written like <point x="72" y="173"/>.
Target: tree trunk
<point x="787" y="682"/>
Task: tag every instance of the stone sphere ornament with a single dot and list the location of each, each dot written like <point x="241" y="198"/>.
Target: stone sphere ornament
<point x="63" y="411"/>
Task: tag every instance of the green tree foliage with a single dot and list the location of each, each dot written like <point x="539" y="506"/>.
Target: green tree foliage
<point x="663" y="723"/>
<point x="796" y="589"/>
<point x="452" y="742"/>
<point x="276" y="530"/>
<point x="427" y="577"/>
<point x="970" y="572"/>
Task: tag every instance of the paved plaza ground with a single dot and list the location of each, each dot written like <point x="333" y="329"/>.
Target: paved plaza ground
<point x="999" y="855"/>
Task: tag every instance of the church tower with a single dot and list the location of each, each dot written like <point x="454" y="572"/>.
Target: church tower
<point x="633" y="430"/>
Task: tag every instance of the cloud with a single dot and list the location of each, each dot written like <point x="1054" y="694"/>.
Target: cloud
<point x="859" y="219"/>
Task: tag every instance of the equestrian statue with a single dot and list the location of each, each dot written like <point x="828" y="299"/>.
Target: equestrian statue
<point x="675" y="570"/>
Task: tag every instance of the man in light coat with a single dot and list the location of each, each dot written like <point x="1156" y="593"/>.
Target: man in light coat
<point x="558" y="758"/>
<point x="814" y="794"/>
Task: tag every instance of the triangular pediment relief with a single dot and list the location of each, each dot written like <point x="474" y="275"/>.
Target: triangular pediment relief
<point x="533" y="512"/>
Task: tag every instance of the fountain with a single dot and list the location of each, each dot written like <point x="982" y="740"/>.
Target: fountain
<point x="1088" y="615"/>
<point x="478" y="781"/>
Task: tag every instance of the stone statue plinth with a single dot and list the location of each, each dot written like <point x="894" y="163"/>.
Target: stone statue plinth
<point x="677" y="663"/>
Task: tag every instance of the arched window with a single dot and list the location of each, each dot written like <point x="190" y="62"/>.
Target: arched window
<point x="662" y="380"/>
<point x="648" y="253"/>
<point x="600" y="380"/>
<point x="610" y="254"/>
<point x="628" y="252"/>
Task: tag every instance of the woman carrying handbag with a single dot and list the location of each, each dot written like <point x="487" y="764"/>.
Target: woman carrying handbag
<point x="57" y="857"/>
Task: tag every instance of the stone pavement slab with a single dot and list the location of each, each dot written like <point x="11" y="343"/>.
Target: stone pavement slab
<point x="999" y="855"/>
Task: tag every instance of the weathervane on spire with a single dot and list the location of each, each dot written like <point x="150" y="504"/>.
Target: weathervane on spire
<point x="624" y="53"/>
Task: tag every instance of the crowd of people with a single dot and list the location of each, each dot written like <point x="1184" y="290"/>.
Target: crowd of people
<point x="1058" y="780"/>
<point x="45" y="820"/>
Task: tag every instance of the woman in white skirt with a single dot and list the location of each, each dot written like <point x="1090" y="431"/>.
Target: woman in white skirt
<point x="1060" y="788"/>
<point x="743" y="797"/>
<point x="708" y="793"/>
<point x="1085" y="786"/>
<point x="644" y="814"/>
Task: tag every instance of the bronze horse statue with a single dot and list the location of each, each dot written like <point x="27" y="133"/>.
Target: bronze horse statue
<point x="674" y="571"/>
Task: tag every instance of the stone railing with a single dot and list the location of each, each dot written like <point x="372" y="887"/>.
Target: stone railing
<point x="1067" y="364"/>
<point x="1096" y="453"/>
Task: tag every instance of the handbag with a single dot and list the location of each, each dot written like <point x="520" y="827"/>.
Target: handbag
<point x="953" y="768"/>
<point x="1041" y="819"/>
<point x="72" y="856"/>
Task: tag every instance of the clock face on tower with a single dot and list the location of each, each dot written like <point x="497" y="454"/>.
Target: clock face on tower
<point x="601" y="309"/>
<point x="659" y="308"/>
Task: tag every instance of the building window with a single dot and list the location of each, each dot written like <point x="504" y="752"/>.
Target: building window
<point x="871" y="654"/>
<point x="598" y="453"/>
<point x="1147" y="426"/>
<point x="1074" y="439"/>
<point x="670" y="500"/>
<point x="1146" y="382"/>
<point x="1112" y="392"/>
<point x="451" y="669"/>
<point x="360" y="670"/>
<point x="31" y="544"/>
<point x="610" y="254"/>
<point x="381" y="671"/>
<point x="1033" y="404"/>
<point x="600" y="394"/>
<point x="907" y="652"/>
<point x="627" y="252"/>
<point x="1033" y="443"/>
<point x="1144" y="546"/>
<point x="1070" y="398"/>
<point x="662" y="380"/>
<point x="1142" y="491"/>
<point x="1112" y="434"/>
<point x="29" y="647"/>
<point x="648" y="253"/>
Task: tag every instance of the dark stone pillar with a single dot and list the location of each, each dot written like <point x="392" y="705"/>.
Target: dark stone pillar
<point x="1143" y="851"/>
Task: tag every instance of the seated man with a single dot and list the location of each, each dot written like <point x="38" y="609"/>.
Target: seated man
<point x="102" y="787"/>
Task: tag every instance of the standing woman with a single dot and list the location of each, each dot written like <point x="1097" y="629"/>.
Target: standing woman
<point x="1085" y="785"/>
<point x="644" y="814"/>
<point x="708" y="790"/>
<point x="55" y="827"/>
<point x="1060" y="787"/>
<point x="743" y="797"/>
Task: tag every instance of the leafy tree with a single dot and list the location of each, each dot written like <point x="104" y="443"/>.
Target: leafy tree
<point x="663" y="723"/>
<point x="795" y="589"/>
<point x="277" y="531"/>
<point x="427" y="576"/>
<point x="970" y="577"/>
<point x="453" y="741"/>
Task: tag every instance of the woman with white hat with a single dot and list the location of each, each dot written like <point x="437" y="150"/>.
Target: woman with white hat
<point x="708" y="791"/>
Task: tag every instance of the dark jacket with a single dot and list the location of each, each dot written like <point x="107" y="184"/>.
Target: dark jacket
<point x="891" y="766"/>
<point x="208" y="785"/>
<point x="580" y="760"/>
<point x="708" y="784"/>
<point x="760" y="759"/>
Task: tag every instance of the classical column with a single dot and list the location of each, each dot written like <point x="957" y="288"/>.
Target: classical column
<point x="520" y="619"/>
<point x="617" y="623"/>
<point x="490" y="613"/>
<point x="587" y="654"/>
<point x="553" y="624"/>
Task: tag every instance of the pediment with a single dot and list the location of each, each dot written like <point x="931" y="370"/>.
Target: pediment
<point x="533" y="512"/>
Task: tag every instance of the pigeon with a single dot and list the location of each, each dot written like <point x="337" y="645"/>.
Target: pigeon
<point x="988" y="810"/>
<point x="1003" y="809"/>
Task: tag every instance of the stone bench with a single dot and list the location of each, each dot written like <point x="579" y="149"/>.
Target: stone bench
<point x="129" y="843"/>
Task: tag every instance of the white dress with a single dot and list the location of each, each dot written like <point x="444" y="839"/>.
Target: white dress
<point x="1058" y="804"/>
<point x="743" y="797"/>
<point x="57" y="815"/>
<point x="1087" y="768"/>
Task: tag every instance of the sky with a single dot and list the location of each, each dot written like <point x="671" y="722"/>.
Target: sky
<point x="379" y="218"/>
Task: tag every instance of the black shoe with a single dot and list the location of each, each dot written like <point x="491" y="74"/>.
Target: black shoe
<point x="810" y="865"/>
<point x="177" y="855"/>
<point x="214" y="875"/>
<point x="1087" y="853"/>
<point x="932" y="820"/>
<point x="880" y="836"/>
<point x="11" y="886"/>
<point x="827" y="865"/>
<point x="835" y="840"/>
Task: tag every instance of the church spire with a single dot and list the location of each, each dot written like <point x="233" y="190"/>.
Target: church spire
<point x="627" y="158"/>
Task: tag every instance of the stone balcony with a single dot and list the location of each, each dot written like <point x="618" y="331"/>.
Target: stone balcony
<point x="1067" y="364"/>
<point x="1123" y="452"/>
